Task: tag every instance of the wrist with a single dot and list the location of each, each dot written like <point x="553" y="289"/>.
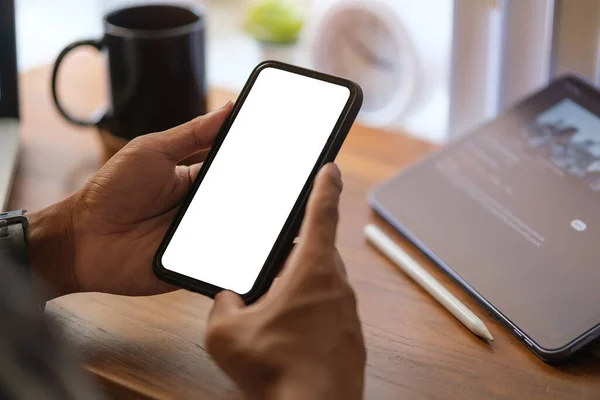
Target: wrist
<point x="307" y="383"/>
<point x="290" y="390"/>
<point x="50" y="249"/>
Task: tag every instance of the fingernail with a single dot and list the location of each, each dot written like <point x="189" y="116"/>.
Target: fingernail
<point x="226" y="105"/>
<point x="218" y="110"/>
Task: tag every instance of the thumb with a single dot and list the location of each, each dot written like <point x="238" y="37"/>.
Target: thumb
<point x="321" y="218"/>
<point x="226" y="302"/>
<point x="192" y="137"/>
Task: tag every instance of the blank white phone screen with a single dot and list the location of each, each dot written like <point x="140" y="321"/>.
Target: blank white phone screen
<point x="255" y="179"/>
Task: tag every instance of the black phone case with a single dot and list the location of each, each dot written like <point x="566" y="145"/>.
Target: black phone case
<point x="284" y="242"/>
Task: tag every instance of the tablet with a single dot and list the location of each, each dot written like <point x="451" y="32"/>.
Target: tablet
<point x="512" y="212"/>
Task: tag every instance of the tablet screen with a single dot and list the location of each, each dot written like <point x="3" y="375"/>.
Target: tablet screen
<point x="514" y="210"/>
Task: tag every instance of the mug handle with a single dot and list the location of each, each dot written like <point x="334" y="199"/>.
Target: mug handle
<point x="97" y="44"/>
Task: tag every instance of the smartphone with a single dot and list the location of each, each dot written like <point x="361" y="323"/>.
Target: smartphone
<point x="245" y="208"/>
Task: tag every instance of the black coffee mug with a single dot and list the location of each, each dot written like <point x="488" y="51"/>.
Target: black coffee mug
<point x="157" y="72"/>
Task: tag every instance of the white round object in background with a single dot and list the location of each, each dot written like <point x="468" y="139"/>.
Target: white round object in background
<point x="366" y="41"/>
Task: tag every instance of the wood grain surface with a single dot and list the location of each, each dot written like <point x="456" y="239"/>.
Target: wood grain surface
<point x="154" y="347"/>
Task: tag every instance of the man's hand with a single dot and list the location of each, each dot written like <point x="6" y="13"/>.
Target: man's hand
<point x="103" y="238"/>
<point x="303" y="339"/>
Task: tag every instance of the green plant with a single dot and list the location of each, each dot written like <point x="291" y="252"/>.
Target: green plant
<point x="274" y="21"/>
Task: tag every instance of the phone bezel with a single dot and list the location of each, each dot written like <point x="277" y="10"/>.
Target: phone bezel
<point x="284" y="242"/>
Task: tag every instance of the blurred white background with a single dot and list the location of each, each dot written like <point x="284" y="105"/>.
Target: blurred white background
<point x="502" y="49"/>
<point x="45" y="27"/>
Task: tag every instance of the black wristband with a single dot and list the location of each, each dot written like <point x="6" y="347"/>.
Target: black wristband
<point x="13" y="239"/>
<point x="13" y="242"/>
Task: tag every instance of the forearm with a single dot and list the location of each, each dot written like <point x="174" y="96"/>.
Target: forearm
<point x="50" y="248"/>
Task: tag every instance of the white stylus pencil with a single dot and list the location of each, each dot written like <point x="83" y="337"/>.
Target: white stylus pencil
<point x="407" y="264"/>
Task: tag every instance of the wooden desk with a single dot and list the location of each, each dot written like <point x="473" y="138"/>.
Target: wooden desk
<point x="153" y="347"/>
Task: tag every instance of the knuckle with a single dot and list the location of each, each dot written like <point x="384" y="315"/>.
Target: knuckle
<point x="350" y="297"/>
<point x="325" y="274"/>
<point x="312" y="253"/>
<point x="139" y="143"/>
<point x="353" y="338"/>
<point x="344" y="295"/>
<point x="330" y="209"/>
<point x="218" y="336"/>
<point x="326" y="278"/>
<point x="326" y="212"/>
<point x="244" y="344"/>
<point x="131" y="147"/>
